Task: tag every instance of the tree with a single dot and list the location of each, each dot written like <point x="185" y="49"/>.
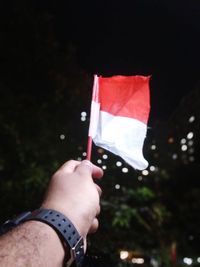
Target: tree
<point x="41" y="97"/>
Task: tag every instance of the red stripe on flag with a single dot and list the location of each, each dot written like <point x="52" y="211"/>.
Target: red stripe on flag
<point x="126" y="96"/>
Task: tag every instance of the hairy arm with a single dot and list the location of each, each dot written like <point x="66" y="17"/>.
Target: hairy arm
<point x="72" y="192"/>
<point x="31" y="244"/>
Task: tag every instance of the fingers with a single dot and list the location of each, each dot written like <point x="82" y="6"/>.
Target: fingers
<point x="86" y="167"/>
<point x="70" y="166"/>
<point x="97" y="172"/>
<point x="73" y="174"/>
<point x="94" y="226"/>
<point x="83" y="167"/>
<point x="98" y="189"/>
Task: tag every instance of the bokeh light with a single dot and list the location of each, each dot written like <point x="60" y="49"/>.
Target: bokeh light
<point x="125" y="170"/>
<point x="145" y="172"/>
<point x="118" y="163"/>
<point x="62" y="136"/>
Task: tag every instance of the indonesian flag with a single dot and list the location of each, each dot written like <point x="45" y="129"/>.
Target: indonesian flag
<point x="119" y="114"/>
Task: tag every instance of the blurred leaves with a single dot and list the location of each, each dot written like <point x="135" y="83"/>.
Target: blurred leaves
<point x="123" y="216"/>
<point x="142" y="194"/>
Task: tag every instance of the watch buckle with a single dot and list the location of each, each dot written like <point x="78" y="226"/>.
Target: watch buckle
<point x="75" y="253"/>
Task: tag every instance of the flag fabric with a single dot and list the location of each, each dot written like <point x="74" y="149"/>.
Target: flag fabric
<point x="119" y="115"/>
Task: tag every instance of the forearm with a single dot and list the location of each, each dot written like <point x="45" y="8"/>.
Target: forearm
<point x="72" y="193"/>
<point x="31" y="244"/>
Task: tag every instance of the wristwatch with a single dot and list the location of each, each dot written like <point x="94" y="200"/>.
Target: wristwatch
<point x="61" y="224"/>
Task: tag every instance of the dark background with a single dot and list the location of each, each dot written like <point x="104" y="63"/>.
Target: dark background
<point x="160" y="38"/>
<point x="49" y="51"/>
<point x="129" y="37"/>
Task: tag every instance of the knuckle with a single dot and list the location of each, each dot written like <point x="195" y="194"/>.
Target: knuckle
<point x="71" y="161"/>
<point x="55" y="175"/>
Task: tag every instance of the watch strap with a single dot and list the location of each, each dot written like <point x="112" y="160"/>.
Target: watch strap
<point x="65" y="229"/>
<point x="10" y="224"/>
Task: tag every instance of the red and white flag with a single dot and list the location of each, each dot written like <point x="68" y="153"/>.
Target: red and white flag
<point x="119" y="114"/>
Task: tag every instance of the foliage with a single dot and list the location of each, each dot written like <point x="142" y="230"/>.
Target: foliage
<point x="41" y="97"/>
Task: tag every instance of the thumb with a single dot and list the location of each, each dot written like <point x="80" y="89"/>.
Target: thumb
<point x="87" y="168"/>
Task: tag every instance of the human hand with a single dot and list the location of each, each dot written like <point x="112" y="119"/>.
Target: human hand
<point x="73" y="192"/>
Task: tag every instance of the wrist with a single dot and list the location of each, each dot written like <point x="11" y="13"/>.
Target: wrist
<point x="79" y="218"/>
<point x="46" y="233"/>
<point x="66" y="231"/>
<point x="68" y="238"/>
<point x="32" y="243"/>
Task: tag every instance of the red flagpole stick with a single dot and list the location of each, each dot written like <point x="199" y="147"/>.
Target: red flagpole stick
<point x="93" y="119"/>
<point x="89" y="148"/>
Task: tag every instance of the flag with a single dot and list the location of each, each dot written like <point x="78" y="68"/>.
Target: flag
<point x="119" y="114"/>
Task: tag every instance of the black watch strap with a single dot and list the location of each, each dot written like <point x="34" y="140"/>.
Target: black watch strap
<point x="10" y="224"/>
<point x="65" y="228"/>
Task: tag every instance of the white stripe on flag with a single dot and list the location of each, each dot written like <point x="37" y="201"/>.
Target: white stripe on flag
<point x="122" y="136"/>
<point x="94" y="118"/>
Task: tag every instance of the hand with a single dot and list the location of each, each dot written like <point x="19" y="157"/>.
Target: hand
<point x="73" y="192"/>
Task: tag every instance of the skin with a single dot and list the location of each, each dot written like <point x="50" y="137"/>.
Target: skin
<point x="71" y="191"/>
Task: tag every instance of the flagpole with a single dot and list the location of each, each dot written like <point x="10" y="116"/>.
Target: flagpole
<point x="93" y="118"/>
<point x="89" y="148"/>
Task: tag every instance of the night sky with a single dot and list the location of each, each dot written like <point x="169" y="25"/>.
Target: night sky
<point x="143" y="37"/>
<point x="161" y="38"/>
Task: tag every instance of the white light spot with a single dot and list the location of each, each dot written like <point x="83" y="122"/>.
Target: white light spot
<point x="62" y="136"/>
<point x="105" y="156"/>
<point x="191" y="119"/>
<point x="183" y="141"/>
<point x="84" y="154"/>
<point x="117" y="186"/>
<point x="118" y="164"/>
<point x="183" y="147"/>
<point x="198" y="259"/>
<point x="104" y="167"/>
<point x="83" y="118"/>
<point x="153" y="147"/>
<point x="145" y="172"/>
<point x="99" y="161"/>
<point x="140" y="178"/>
<point x="137" y="260"/>
<point x="83" y="114"/>
<point x="79" y="158"/>
<point x="174" y="156"/>
<point x="124" y="170"/>
<point x="187" y="261"/>
<point x="152" y="168"/>
<point x="190" y="135"/>
<point x="123" y="254"/>
<point x="154" y="262"/>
